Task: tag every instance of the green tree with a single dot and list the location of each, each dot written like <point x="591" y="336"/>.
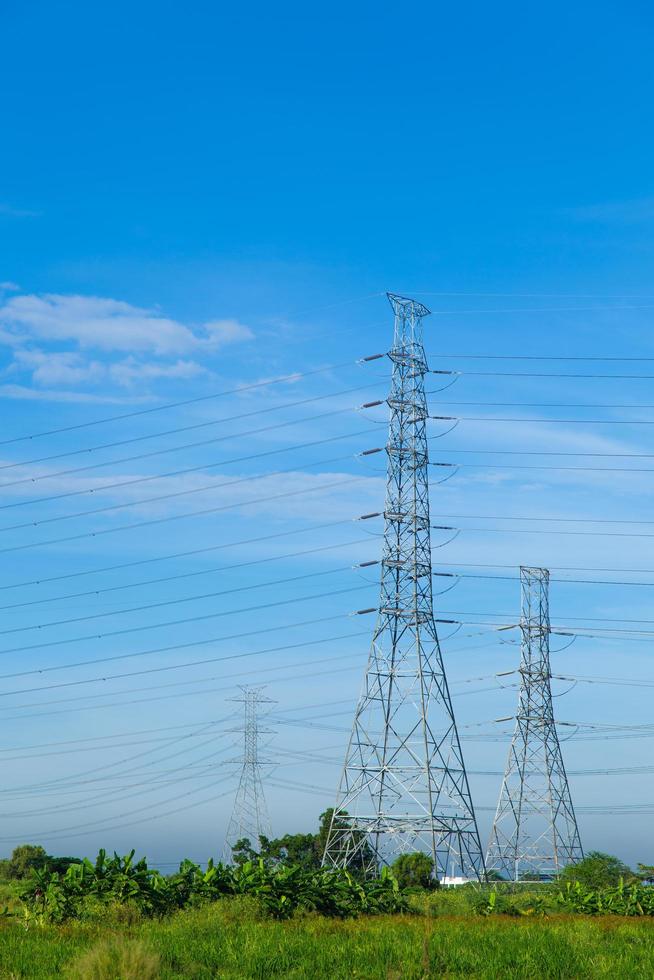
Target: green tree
<point x="597" y="870"/>
<point x="364" y="854"/>
<point x="61" y="864"/>
<point x="24" y="859"/>
<point x="646" y="873"/>
<point x="243" y="851"/>
<point x="305" y="850"/>
<point x="415" y="870"/>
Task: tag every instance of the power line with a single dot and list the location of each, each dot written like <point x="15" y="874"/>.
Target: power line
<point x="489" y="418"/>
<point x="110" y="821"/>
<point x="559" y="568"/>
<point x="166" y="432"/>
<point x="52" y="784"/>
<point x="549" y="467"/>
<point x="538" y="357"/>
<point x="560" y="520"/>
<point x="588" y="619"/>
<point x="531" y="374"/>
<point x="174" y="602"/>
<point x="183" y="575"/>
<point x="543" y="452"/>
<point x="189" y="401"/>
<point x="162" y="452"/>
<point x="177" y="517"/>
<point x="174" y="622"/>
<point x="177" y="685"/>
<point x="109" y="508"/>
<point x="562" y="629"/>
<point x="103" y="738"/>
<point x="144" y="786"/>
<point x="529" y="530"/>
<point x="553" y="309"/>
<point x="559" y="581"/>
<point x="186" y="554"/>
<point x="487" y="404"/>
<point x="184" y="665"/>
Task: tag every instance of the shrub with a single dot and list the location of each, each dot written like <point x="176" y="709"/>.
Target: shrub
<point x="126" y="959"/>
<point x="415" y="870"/>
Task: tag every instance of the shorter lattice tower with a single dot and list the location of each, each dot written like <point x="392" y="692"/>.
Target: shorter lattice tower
<point x="250" y="815"/>
<point x="535" y="831"/>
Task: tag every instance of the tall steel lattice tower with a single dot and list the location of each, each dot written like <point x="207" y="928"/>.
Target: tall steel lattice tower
<point x="535" y="830"/>
<point x="404" y="785"/>
<point x="250" y="815"/>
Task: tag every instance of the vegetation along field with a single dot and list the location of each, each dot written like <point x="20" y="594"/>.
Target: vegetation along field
<point x="269" y="916"/>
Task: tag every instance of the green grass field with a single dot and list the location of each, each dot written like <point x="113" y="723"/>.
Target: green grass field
<point x="232" y="938"/>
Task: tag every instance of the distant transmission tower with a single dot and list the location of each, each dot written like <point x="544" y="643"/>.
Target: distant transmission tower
<point x="404" y="785"/>
<point x="250" y="815"/>
<point x="535" y="830"/>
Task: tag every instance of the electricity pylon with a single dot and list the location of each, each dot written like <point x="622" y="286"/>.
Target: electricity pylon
<point x="535" y="831"/>
<point x="404" y="785"/>
<point x="250" y="815"/>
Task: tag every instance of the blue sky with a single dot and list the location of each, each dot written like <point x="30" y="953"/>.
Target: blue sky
<point x="194" y="199"/>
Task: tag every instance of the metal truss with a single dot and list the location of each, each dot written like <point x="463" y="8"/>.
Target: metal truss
<point x="404" y="785"/>
<point x="535" y="831"/>
<point x="250" y="815"/>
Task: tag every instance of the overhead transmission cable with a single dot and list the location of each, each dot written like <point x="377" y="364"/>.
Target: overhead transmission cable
<point x="166" y="451"/>
<point x="529" y="517"/>
<point x="189" y="553"/>
<point x="557" y="581"/>
<point x="296" y="376"/>
<point x="166" y="432"/>
<point x="182" y="646"/>
<point x="185" y="575"/>
<point x="542" y="374"/>
<point x="558" y="531"/>
<point x="183" y="599"/>
<point x="530" y="419"/>
<point x="109" y="508"/>
<point x="548" y="467"/>
<point x="196" y="513"/>
<point x="543" y="452"/>
<point x="177" y="685"/>
<point x="538" y="357"/>
<point x="174" y="622"/>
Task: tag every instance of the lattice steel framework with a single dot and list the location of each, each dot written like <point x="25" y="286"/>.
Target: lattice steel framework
<point x="535" y="831"/>
<point x="404" y="785"/>
<point x="250" y="815"/>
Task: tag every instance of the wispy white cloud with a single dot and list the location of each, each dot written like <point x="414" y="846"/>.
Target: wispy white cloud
<point x="106" y="342"/>
<point x="9" y="287"/>
<point x="219" y="333"/>
<point x="297" y="495"/>
<point x="127" y="372"/>
<point x="58" y="367"/>
<point x="25" y="393"/>
<point x="12" y="212"/>
<point x="618" y="212"/>
<point x="104" y="324"/>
